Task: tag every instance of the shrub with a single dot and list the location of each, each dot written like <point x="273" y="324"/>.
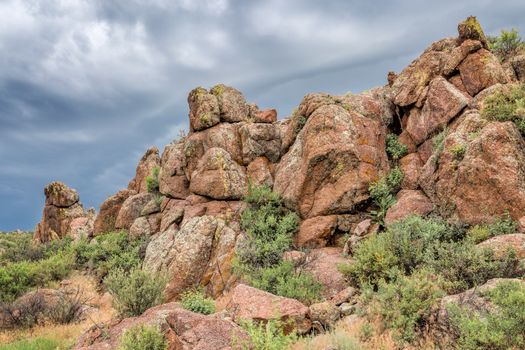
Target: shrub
<point x="18" y="247"/>
<point x="69" y="307"/>
<point x="382" y="192"/>
<point x="284" y="280"/>
<point x="34" y="344"/>
<point x="507" y="105"/>
<point x="269" y="227"/>
<point x="405" y="303"/>
<point x="110" y="251"/>
<point x="134" y="292"/>
<point x="458" y="151"/>
<point x="503" y="226"/>
<point x="507" y="45"/>
<point x="266" y="336"/>
<point x="196" y="301"/>
<point x="463" y="265"/>
<point x="143" y="337"/>
<point x="25" y="313"/>
<point x="500" y="329"/>
<point x="152" y="181"/>
<point x="395" y="149"/>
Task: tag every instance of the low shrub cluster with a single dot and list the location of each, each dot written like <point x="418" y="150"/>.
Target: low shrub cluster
<point x="269" y="228"/>
<point x="196" y="301"/>
<point x="403" y="270"/>
<point x="394" y="148"/>
<point x="383" y="193"/>
<point x="134" y="291"/>
<point x="507" y="105"/>
<point x="503" y="226"/>
<point x="500" y="329"/>
<point x="507" y="45"/>
<point x="152" y="181"/>
<point x="142" y="337"/>
<point x="266" y="336"/>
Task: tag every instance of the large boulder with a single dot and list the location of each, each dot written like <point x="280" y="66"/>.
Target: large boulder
<point x="409" y="202"/>
<point x="132" y="209"/>
<point x="443" y="103"/>
<point x="183" y="330"/>
<point x="315" y="232"/>
<point x="501" y="244"/>
<point x="204" y="109"/>
<point x="62" y="208"/>
<point x="107" y="216"/>
<point x="335" y="157"/>
<point x="260" y="139"/>
<point x="218" y="176"/>
<point x="172" y="178"/>
<point x="480" y="70"/>
<point x="232" y="105"/>
<point x="196" y="254"/>
<point x="322" y="264"/>
<point x="251" y="304"/>
<point x="480" y="175"/>
<point x="259" y="172"/>
<point x="147" y="163"/>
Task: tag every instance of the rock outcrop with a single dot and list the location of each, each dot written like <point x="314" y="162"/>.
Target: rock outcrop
<point x="63" y="215"/>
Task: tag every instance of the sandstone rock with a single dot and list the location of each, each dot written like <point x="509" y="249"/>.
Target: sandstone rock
<point x="107" y="216"/>
<point x="172" y="213"/>
<point x="199" y="253"/>
<point x="411" y="166"/>
<point x="480" y="70"/>
<point x="458" y="54"/>
<point x="229" y="211"/>
<point x="334" y="159"/>
<point x="443" y="103"/>
<point x="343" y="296"/>
<point x="218" y="176"/>
<point x="131" y="209"/>
<point x="82" y="227"/>
<point x="147" y="163"/>
<point x="470" y="29"/>
<point x="315" y="232"/>
<point x="172" y="178"/>
<point x="259" y="139"/>
<point x="426" y="149"/>
<point x="266" y="116"/>
<point x="248" y="303"/>
<point x="232" y="105"/>
<point x="182" y="329"/>
<point x="140" y="228"/>
<point x="458" y="83"/>
<point x="409" y="202"/>
<point x="204" y="109"/>
<point x="324" y="314"/>
<point x="322" y="264"/>
<point x="224" y="135"/>
<point x="406" y="139"/>
<point x="501" y="244"/>
<point x="489" y="179"/>
<point x="259" y="172"/>
<point x="375" y="103"/>
<point x="518" y="63"/>
<point x="59" y="195"/>
<point x="58" y="216"/>
<point x="364" y="228"/>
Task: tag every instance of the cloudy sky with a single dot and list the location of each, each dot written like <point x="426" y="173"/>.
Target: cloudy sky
<point x="87" y="85"/>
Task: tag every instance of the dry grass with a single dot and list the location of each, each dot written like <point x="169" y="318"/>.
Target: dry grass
<point x="102" y="312"/>
<point x="349" y="333"/>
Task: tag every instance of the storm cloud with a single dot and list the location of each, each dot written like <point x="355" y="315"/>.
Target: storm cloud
<point x="87" y="86"/>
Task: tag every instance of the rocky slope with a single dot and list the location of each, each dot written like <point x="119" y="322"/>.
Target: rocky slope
<point x="321" y="160"/>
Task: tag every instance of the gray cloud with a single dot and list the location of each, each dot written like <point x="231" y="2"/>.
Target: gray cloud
<point x="87" y="86"/>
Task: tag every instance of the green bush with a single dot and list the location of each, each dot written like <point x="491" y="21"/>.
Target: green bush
<point x="266" y="336"/>
<point x="383" y="193"/>
<point x="34" y="344"/>
<point x="500" y="329"/>
<point x="507" y="105"/>
<point x="503" y="226"/>
<point x="152" y="181"/>
<point x="269" y="228"/>
<point x="458" y="151"/>
<point x="134" y="292"/>
<point x="196" y="301"/>
<point x="405" y="302"/>
<point x="110" y="251"/>
<point x="284" y="280"/>
<point x="507" y="45"/>
<point x="20" y="277"/>
<point x="395" y="149"/>
<point x="142" y="337"/>
<point x="17" y="247"/>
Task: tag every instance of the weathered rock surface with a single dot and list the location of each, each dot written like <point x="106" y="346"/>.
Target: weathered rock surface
<point x="322" y="264"/>
<point x="336" y="156"/>
<point x="107" y="216"/>
<point x="172" y="178"/>
<point x="147" y="163"/>
<point x="183" y="330"/>
<point x="62" y="208"/>
<point x="260" y="139"/>
<point x="204" y="109"/>
<point x="218" y="176"/>
<point x="501" y="244"/>
<point x="316" y="232"/>
<point x="409" y="202"/>
<point x="232" y="105"/>
<point x="248" y="303"/>
<point x="481" y="70"/>
<point x="324" y="314"/>
<point x="131" y="209"/>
